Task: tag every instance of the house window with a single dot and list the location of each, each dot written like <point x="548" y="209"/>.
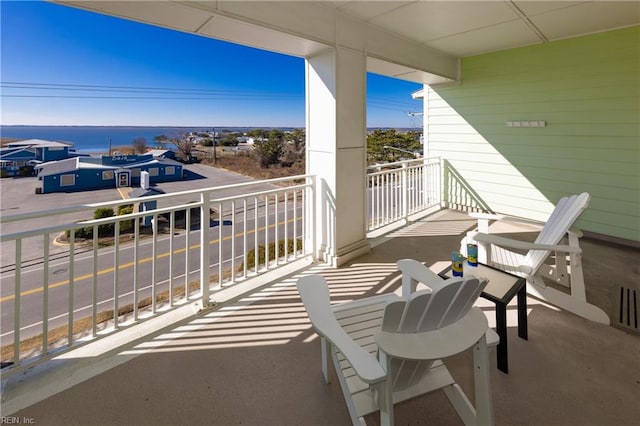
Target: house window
<point x="21" y="164"/>
<point x="135" y="172"/>
<point x="107" y="175"/>
<point x="170" y="170"/>
<point x="67" y="180"/>
<point x="153" y="171"/>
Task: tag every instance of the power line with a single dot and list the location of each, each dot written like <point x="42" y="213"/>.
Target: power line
<point x="264" y="98"/>
<point x="99" y="87"/>
<point x="188" y="93"/>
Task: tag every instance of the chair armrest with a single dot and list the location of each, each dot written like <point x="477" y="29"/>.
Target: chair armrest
<point x="414" y="272"/>
<point x="511" y="243"/>
<point x="314" y="293"/>
<point x="503" y="217"/>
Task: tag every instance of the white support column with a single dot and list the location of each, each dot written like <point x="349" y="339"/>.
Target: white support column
<point x="336" y="150"/>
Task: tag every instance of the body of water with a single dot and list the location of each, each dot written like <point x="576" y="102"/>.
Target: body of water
<point x="98" y="138"/>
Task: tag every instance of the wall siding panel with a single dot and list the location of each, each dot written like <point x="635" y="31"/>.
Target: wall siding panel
<point x="586" y="89"/>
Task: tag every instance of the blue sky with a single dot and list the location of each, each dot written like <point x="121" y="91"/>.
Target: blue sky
<point x="64" y="66"/>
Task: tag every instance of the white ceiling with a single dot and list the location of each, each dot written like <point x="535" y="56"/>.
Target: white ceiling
<point x="465" y="28"/>
<point x="413" y="40"/>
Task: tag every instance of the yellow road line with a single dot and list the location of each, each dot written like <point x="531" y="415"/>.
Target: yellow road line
<point x="127" y="265"/>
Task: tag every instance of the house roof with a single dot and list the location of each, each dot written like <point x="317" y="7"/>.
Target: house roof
<point x="39" y="143"/>
<point x="158" y="152"/>
<point x="76" y="163"/>
<point x="55" y="167"/>
<point x="15" y="154"/>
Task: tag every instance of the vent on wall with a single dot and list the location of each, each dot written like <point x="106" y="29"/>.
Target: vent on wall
<point x="628" y="305"/>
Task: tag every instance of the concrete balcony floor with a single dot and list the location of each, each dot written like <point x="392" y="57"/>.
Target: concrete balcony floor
<point x="257" y="361"/>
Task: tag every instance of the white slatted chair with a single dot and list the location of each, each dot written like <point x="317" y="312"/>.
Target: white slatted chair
<point x="494" y="250"/>
<point x="386" y="349"/>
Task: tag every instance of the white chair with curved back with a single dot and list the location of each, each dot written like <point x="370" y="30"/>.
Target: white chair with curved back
<point x="386" y="348"/>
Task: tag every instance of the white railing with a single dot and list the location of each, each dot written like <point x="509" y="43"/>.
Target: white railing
<point x="116" y="271"/>
<point x="398" y="190"/>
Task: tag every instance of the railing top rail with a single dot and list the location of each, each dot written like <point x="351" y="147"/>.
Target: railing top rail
<point x="93" y="206"/>
<point x="416" y="161"/>
<point x="96" y="222"/>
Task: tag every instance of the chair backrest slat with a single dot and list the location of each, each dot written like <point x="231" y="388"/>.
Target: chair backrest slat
<point x="566" y="212"/>
<point x="426" y="310"/>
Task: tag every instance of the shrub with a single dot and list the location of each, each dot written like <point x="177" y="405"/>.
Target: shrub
<point x="125" y="225"/>
<point x="251" y="255"/>
<point x="105" y="230"/>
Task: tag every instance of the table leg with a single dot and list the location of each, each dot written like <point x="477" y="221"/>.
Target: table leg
<point x="523" y="328"/>
<point x="501" y="329"/>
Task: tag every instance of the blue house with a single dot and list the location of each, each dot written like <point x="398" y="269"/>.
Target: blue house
<point x="87" y="173"/>
<point x="20" y="157"/>
<point x="14" y="160"/>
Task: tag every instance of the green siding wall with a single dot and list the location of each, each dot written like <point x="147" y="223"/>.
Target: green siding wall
<point x="587" y="90"/>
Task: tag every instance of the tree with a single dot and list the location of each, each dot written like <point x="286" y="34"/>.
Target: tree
<point x="139" y="145"/>
<point x="161" y="141"/>
<point x="268" y="151"/>
<point x="183" y="145"/>
<point x="378" y="140"/>
<point x="298" y="137"/>
<point x="293" y="149"/>
<point x="229" y="138"/>
<point x="257" y="134"/>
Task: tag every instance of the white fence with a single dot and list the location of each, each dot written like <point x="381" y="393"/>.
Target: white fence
<point x="172" y="249"/>
<point x="397" y="190"/>
<point x="116" y="271"/>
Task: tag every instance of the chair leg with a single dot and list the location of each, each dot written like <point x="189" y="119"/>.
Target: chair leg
<point x="484" y="406"/>
<point x="325" y="349"/>
<point x="385" y="393"/>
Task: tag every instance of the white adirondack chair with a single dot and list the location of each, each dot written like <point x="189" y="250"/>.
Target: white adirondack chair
<point x="494" y="250"/>
<point x="386" y="349"/>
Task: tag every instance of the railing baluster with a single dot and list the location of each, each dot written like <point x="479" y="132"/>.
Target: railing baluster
<point x="16" y="303"/>
<point x="295" y="222"/>
<point x="286" y="226"/>
<point x="276" y="236"/>
<point x="244" y="237"/>
<point x="154" y="258"/>
<point x="266" y="232"/>
<point x="205" y="236"/>
<point x="116" y="272"/>
<point x="45" y="296"/>
<point x="94" y="293"/>
<point x="72" y="254"/>
<point x="136" y="265"/>
<point x="187" y="224"/>
<point x="220" y="243"/>
<point x="255" y="235"/>
<point x="233" y="241"/>
<point x="172" y="229"/>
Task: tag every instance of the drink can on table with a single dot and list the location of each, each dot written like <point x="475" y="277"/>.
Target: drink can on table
<point x="457" y="264"/>
<point x="472" y="254"/>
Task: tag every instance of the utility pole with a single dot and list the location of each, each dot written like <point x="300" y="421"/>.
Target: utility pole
<point x="215" y="156"/>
